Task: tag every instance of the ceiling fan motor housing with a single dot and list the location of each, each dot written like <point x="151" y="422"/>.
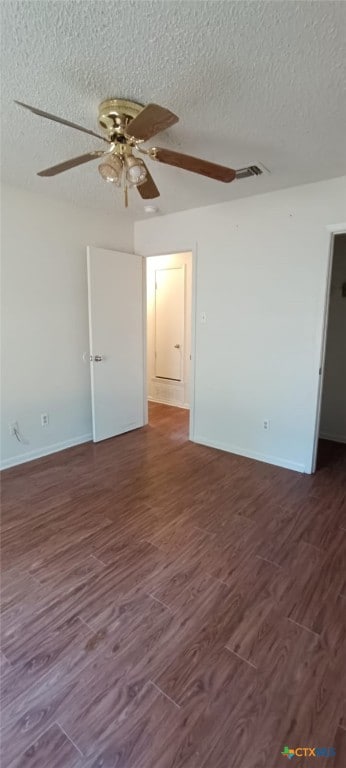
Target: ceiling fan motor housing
<point x="114" y="117"/>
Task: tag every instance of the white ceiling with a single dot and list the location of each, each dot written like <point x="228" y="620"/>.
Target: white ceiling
<point x="251" y="81"/>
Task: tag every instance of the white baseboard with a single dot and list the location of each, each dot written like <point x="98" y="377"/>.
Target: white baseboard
<point x="169" y="402"/>
<point x="333" y="438"/>
<point x="45" y="451"/>
<point x="54" y="448"/>
<point x="277" y="461"/>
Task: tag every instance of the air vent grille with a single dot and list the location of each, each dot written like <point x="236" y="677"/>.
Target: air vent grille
<point x="245" y="173"/>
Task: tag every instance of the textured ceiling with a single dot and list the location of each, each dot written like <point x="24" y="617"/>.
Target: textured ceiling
<point x="251" y="81"/>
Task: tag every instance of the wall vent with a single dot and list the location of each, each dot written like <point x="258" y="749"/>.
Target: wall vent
<point x="250" y="170"/>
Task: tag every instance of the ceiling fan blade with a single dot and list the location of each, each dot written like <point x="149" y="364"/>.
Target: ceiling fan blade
<point x="151" y="120"/>
<point x="40" y="113"/>
<point x="71" y="163"/>
<point x="148" y="190"/>
<point x="194" y="164"/>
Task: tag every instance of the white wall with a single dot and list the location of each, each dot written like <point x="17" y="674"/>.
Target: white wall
<point x="45" y="320"/>
<point x="333" y="410"/>
<point x="261" y="280"/>
<point x="159" y="390"/>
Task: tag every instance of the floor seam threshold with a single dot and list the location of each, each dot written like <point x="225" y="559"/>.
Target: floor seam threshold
<point x="69" y="738"/>
<point x="266" y="560"/>
<point x="157" y="600"/>
<point x="302" y="626"/>
<point x="246" y="661"/>
<point x="165" y="694"/>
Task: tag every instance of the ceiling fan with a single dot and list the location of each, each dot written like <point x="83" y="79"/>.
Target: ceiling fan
<point x="125" y="126"/>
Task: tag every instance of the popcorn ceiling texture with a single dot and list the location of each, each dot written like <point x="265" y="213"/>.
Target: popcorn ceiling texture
<point x="251" y="81"/>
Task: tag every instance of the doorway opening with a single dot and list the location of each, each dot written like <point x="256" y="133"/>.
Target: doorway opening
<point x="331" y="438"/>
<point x="169" y="340"/>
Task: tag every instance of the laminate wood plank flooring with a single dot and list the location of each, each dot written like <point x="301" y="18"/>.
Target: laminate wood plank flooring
<point x="168" y="605"/>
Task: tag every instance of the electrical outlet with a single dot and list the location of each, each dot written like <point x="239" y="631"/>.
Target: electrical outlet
<point x="44" y="419"/>
<point x="13" y="428"/>
<point x="266" y="424"/>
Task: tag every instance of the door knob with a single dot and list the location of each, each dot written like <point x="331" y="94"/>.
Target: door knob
<point x="176" y="346"/>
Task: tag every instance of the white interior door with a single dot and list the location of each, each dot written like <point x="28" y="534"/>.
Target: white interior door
<point x="115" y="291"/>
<point x="169" y="322"/>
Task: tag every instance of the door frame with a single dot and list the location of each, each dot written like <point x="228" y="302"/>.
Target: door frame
<point x="193" y="251"/>
<point x="333" y="229"/>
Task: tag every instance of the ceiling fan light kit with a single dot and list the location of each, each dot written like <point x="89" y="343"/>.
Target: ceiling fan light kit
<point x="136" y="172"/>
<point x="111" y="170"/>
<point x="125" y="125"/>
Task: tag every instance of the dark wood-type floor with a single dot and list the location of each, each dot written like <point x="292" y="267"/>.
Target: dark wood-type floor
<point x="168" y="605"/>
